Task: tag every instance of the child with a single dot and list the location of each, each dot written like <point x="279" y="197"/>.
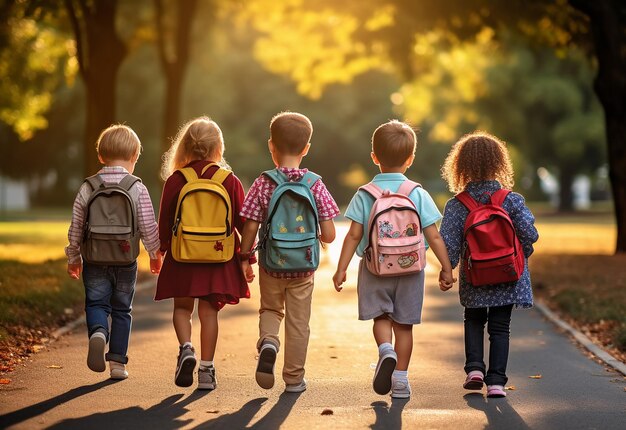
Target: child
<point x="109" y="289"/>
<point x="198" y="144"/>
<point x="393" y="302"/>
<point x="284" y="294"/>
<point x="479" y="164"/>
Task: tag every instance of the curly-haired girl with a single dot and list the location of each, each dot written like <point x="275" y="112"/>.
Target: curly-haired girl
<point x="479" y="164"/>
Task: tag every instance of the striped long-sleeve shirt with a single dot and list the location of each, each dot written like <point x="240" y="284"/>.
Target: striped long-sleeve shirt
<point x="145" y="215"/>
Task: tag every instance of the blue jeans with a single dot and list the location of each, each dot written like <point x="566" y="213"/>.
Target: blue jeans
<point x="498" y="319"/>
<point x="109" y="291"/>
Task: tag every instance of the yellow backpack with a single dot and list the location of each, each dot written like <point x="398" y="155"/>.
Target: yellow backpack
<point x="202" y="231"/>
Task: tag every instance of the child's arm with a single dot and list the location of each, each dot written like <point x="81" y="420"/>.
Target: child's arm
<point x="149" y="230"/>
<point x="347" y="251"/>
<point x="75" y="235"/>
<point x="446" y="280"/>
<point x="327" y="231"/>
<point x="248" y="235"/>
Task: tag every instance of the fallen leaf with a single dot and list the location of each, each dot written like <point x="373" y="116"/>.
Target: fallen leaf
<point x="327" y="412"/>
<point x="213" y="412"/>
<point x="333" y="356"/>
<point x="5" y="381"/>
<point x="510" y="388"/>
<point x="535" y="376"/>
<point x="54" y="366"/>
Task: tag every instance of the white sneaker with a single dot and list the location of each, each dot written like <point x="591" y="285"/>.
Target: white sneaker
<point x="296" y="388"/>
<point x="206" y="378"/>
<point x="400" y="388"/>
<point x="118" y="370"/>
<point x="95" y="356"/>
<point x="265" y="367"/>
<point x="384" y="369"/>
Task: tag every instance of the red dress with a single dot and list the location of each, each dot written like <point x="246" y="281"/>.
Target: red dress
<point x="219" y="283"/>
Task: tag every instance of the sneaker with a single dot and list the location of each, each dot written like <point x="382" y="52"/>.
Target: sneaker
<point x="206" y="378"/>
<point x="474" y="380"/>
<point x="400" y="388"/>
<point x="118" y="370"/>
<point x="384" y="369"/>
<point x="265" y="367"/>
<point x="95" y="356"/>
<point x="296" y="388"/>
<point x="185" y="366"/>
<point x="495" y="391"/>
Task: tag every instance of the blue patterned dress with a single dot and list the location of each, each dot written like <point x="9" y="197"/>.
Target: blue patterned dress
<point x="517" y="293"/>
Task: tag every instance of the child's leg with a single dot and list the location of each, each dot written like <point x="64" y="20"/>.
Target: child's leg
<point x="498" y="327"/>
<point x="121" y="305"/>
<point x="298" y="295"/>
<point x="183" y="308"/>
<point x="209" y="329"/>
<point x="98" y="288"/>
<point x="382" y="330"/>
<point x="403" y="345"/>
<point x="474" y="323"/>
<point x="271" y="312"/>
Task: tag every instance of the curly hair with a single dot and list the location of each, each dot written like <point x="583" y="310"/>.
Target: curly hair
<point x="199" y="139"/>
<point x="477" y="156"/>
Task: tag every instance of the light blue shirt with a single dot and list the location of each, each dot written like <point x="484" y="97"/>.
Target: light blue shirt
<point x="362" y="202"/>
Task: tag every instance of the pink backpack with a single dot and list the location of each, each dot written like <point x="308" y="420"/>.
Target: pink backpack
<point x="396" y="244"/>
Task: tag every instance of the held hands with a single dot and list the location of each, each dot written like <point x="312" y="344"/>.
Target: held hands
<point x="248" y="273"/>
<point x="155" y="264"/>
<point x="74" y="270"/>
<point x="339" y="278"/>
<point x="446" y="280"/>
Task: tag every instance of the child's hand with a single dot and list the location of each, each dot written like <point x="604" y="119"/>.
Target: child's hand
<point x="446" y="280"/>
<point x="339" y="278"/>
<point x="156" y="263"/>
<point x="248" y="273"/>
<point x="74" y="270"/>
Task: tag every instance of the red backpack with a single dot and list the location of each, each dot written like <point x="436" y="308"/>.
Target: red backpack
<point x="491" y="252"/>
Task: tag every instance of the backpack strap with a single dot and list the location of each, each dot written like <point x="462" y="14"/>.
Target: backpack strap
<point x="309" y="179"/>
<point x="372" y="189"/>
<point x="128" y="181"/>
<point x="220" y="174"/>
<point x="467" y="200"/>
<point x="94" y="182"/>
<point x="407" y="187"/>
<point x="189" y="173"/>
<point x="497" y="198"/>
<point x="276" y="175"/>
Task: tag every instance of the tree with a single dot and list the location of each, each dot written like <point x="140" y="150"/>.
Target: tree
<point x="100" y="52"/>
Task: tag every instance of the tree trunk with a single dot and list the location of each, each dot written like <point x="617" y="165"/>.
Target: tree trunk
<point x="610" y="85"/>
<point x="566" y="196"/>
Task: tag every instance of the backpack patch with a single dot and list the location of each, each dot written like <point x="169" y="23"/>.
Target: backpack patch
<point x="202" y="231"/>
<point x="396" y="243"/>
<point x="491" y="252"/>
<point x="111" y="234"/>
<point x="289" y="237"/>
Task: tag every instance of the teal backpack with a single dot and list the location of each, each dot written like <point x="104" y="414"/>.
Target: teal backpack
<point x="289" y="237"/>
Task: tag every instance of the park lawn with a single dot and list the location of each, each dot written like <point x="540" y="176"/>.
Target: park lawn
<point x="36" y="294"/>
<point x="576" y="274"/>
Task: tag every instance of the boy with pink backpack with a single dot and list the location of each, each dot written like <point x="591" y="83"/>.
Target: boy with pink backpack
<point x="393" y="223"/>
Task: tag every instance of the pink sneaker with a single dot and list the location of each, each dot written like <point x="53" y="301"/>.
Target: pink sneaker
<point x="495" y="391"/>
<point x="474" y="380"/>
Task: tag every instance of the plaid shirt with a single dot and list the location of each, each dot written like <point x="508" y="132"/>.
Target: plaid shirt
<point x="145" y="215"/>
<point x="257" y="202"/>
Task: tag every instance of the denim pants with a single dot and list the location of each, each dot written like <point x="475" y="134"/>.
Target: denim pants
<point x="109" y="292"/>
<point x="498" y="319"/>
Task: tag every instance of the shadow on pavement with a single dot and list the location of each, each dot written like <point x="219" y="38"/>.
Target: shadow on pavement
<point x="162" y="416"/>
<point x="279" y="412"/>
<point x="40" y="408"/>
<point x="236" y="420"/>
<point x="500" y="414"/>
<point x="388" y="417"/>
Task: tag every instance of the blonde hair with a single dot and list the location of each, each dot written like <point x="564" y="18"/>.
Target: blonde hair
<point x="393" y="143"/>
<point x="477" y="156"/>
<point x="290" y="132"/>
<point x="118" y="142"/>
<point x="199" y="139"/>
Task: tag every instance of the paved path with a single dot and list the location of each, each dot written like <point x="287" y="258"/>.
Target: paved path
<point x="574" y="391"/>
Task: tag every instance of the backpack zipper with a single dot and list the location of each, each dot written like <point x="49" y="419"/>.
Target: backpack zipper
<point x="180" y="208"/>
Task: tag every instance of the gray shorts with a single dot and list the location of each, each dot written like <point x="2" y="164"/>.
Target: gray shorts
<point x="401" y="297"/>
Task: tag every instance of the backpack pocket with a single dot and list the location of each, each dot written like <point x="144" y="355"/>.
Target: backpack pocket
<point x="290" y="252"/>
<point x="494" y="268"/>
<point x="203" y="245"/>
<point x="396" y="256"/>
<point x="111" y="245"/>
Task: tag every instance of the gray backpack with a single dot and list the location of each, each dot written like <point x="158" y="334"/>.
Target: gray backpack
<point x="111" y="233"/>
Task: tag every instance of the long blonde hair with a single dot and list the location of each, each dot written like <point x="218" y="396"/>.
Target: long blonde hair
<point x="478" y="156"/>
<point x="199" y="139"/>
